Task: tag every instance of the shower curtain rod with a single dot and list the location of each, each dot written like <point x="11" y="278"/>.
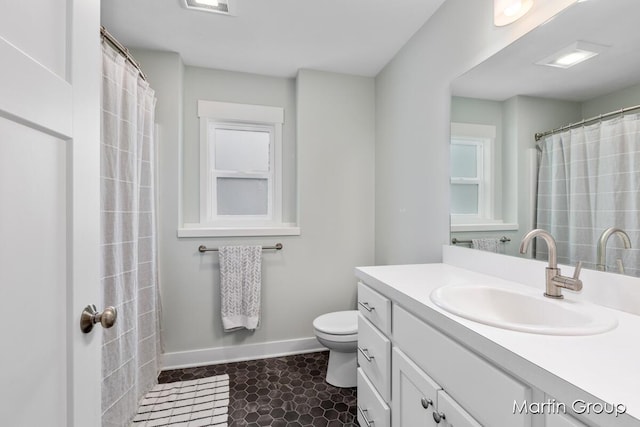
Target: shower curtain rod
<point x="541" y="135"/>
<point x="123" y="50"/>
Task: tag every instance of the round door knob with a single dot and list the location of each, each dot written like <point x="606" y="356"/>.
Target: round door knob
<point x="90" y="316"/>
<point x="108" y="317"/>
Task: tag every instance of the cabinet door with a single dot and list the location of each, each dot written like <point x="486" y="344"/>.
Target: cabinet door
<point x="560" y="420"/>
<point x="414" y="393"/>
<point x="450" y="414"/>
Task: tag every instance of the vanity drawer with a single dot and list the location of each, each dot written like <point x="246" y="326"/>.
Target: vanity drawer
<point x="483" y="390"/>
<point x="375" y="308"/>
<point x="372" y="410"/>
<point x="374" y="357"/>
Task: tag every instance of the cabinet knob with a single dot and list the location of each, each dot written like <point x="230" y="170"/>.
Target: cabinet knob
<point x="438" y="416"/>
<point x="426" y="402"/>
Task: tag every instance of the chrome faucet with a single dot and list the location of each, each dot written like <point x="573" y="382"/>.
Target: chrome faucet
<point x="554" y="280"/>
<point x="602" y="247"/>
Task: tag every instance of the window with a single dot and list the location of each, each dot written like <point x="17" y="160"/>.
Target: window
<point x="240" y="168"/>
<point x="471" y="173"/>
<point x="239" y="176"/>
<point x="467" y="177"/>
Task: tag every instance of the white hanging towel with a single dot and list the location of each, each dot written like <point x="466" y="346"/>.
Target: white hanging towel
<point x="240" y="282"/>
<point x="489" y="245"/>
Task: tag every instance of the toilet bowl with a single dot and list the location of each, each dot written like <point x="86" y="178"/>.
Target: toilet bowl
<point x="338" y="331"/>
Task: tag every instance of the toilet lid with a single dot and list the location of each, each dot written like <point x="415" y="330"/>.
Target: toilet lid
<point x="337" y="323"/>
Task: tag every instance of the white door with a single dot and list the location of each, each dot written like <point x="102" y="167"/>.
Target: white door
<point x="49" y="211"/>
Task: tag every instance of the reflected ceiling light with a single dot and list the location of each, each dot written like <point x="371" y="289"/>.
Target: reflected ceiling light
<point x="507" y="11"/>
<point x="212" y="3"/>
<point x="215" y="6"/>
<point x="572" y="55"/>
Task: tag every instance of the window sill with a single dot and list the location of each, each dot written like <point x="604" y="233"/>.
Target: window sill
<point x="196" y="230"/>
<point x="485" y="227"/>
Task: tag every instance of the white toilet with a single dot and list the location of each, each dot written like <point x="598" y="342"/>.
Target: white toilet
<point x="338" y="332"/>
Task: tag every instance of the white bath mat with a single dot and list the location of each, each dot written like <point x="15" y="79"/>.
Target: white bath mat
<point x="195" y="403"/>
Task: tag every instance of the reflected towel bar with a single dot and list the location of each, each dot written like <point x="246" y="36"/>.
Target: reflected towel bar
<point x="503" y="239"/>
<point x="203" y="248"/>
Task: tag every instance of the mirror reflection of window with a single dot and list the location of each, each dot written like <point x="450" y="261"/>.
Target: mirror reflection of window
<point x="471" y="173"/>
<point x="466" y="176"/>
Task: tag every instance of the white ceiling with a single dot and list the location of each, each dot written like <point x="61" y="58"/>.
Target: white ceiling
<point x="274" y="37"/>
<point x="513" y="71"/>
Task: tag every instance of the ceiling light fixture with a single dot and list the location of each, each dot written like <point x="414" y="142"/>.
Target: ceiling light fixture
<point x="507" y="11"/>
<point x="573" y="54"/>
<point x="211" y="3"/>
<point x="216" y="6"/>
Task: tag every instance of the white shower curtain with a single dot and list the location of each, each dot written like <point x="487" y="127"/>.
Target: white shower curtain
<point x="589" y="180"/>
<point x="129" y="268"/>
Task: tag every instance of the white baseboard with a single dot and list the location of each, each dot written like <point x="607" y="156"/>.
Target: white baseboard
<point x="215" y="356"/>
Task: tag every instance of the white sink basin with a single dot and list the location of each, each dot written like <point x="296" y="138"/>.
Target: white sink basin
<point x="522" y="310"/>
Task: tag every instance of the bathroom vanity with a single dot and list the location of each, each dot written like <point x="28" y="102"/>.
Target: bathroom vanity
<point x="421" y="365"/>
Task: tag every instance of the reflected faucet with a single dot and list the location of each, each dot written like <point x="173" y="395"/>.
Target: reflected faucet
<point x="554" y="280"/>
<point x="602" y="247"/>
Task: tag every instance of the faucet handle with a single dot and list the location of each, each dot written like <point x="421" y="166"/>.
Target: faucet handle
<point x="576" y="272"/>
<point x="572" y="283"/>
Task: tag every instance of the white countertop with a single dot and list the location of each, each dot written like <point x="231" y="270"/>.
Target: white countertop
<point x="596" y="368"/>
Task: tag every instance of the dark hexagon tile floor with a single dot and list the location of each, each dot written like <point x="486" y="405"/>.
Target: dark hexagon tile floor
<point x="281" y="391"/>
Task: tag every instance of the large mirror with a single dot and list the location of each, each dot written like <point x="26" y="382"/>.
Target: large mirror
<point x="578" y="182"/>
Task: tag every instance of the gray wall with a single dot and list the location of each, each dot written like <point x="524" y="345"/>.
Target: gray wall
<point x="164" y="72"/>
<point x="412" y="124"/>
<point x="227" y="86"/>
<point x="329" y="138"/>
<point x="627" y="97"/>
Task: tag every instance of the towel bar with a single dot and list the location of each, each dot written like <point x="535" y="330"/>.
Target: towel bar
<point x="203" y="248"/>
<point x="503" y="239"/>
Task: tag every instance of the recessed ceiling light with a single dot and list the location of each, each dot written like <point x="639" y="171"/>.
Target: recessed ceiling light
<point x="507" y="11"/>
<point x="215" y="6"/>
<point x="572" y="55"/>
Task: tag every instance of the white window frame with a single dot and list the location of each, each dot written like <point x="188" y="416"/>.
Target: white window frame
<point x="483" y="137"/>
<point x="223" y="115"/>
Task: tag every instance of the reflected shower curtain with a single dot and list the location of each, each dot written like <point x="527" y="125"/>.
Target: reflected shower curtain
<point x="129" y="268"/>
<point x="589" y="180"/>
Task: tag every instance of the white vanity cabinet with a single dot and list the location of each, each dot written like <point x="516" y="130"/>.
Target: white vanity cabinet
<point x="412" y="375"/>
<point x="420" y="401"/>
<point x="471" y="374"/>
<point x="561" y="420"/>
<point x="485" y="391"/>
<point x="374" y="358"/>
